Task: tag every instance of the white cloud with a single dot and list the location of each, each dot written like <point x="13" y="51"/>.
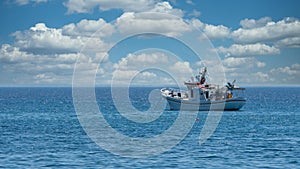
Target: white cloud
<point x="262" y="75"/>
<point x="10" y="54"/>
<point x="181" y="68"/>
<point x="39" y="68"/>
<point x="288" y="70"/>
<point x="249" y="76"/>
<point x="259" y="77"/>
<point x="138" y="64"/>
<point x="296" y="66"/>
<point x="293" y="42"/>
<point x="190" y="2"/>
<point x="165" y="7"/>
<point x="40" y="78"/>
<point x="97" y="28"/>
<point x="235" y="62"/>
<point x="251" y="23"/>
<point x="14" y="57"/>
<point x="245" y="70"/>
<point x="260" y="64"/>
<point x="133" y="61"/>
<point x="48" y="55"/>
<point x="244" y="63"/>
<point x="43" y="40"/>
<point x="257" y="49"/>
<point x="148" y="75"/>
<point x="139" y="77"/>
<point x="170" y="25"/>
<point x="215" y="32"/>
<point x="155" y="16"/>
<point x="195" y="13"/>
<point x="287" y="75"/>
<point x="124" y="75"/>
<point x="242" y="69"/>
<point x="212" y="31"/>
<point x="264" y="30"/>
<point x="25" y="2"/>
<point x="83" y="6"/>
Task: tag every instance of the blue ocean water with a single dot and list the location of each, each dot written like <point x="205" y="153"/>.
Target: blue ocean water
<point x="39" y="128"/>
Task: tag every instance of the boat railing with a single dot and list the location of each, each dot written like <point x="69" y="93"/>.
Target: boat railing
<point x="176" y="93"/>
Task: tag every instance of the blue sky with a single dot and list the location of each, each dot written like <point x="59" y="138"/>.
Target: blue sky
<point x="258" y="42"/>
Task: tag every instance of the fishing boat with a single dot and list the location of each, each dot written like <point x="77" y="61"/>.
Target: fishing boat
<point x="201" y="96"/>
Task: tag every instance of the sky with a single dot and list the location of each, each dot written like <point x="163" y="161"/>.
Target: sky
<point x="148" y="42"/>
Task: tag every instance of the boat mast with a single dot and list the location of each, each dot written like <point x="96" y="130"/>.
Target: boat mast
<point x="202" y="78"/>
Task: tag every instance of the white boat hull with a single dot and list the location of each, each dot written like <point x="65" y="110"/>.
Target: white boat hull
<point x="228" y="104"/>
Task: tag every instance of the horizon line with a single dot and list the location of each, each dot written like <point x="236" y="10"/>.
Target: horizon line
<point x="96" y="86"/>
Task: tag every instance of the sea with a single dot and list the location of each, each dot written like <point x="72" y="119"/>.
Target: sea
<point x="40" y="128"/>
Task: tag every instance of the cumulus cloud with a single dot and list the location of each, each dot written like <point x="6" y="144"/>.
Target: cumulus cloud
<point x="265" y="30"/>
<point x="251" y="23"/>
<point x="133" y="63"/>
<point x="260" y="77"/>
<point x="249" y="62"/>
<point x="10" y="54"/>
<point x="96" y="28"/>
<point x="287" y="74"/>
<point x="244" y="69"/>
<point x="42" y="40"/>
<point x="181" y="68"/>
<point x="152" y="66"/>
<point x="41" y="68"/>
<point x="83" y="6"/>
<point x="212" y="31"/>
<point x="292" y="42"/>
<point x="41" y="78"/>
<point x="235" y="62"/>
<point x="25" y="2"/>
<point x="165" y="7"/>
<point x="215" y="32"/>
<point x="260" y="64"/>
<point x="48" y="55"/>
<point x="258" y="49"/>
<point x="195" y="13"/>
<point x="148" y="75"/>
<point x="288" y="70"/>
<point x="170" y="25"/>
<point x="13" y="55"/>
